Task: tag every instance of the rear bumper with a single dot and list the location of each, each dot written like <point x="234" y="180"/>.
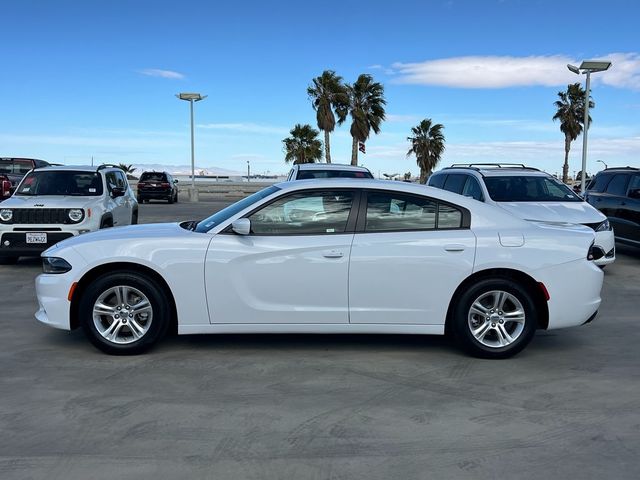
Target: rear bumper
<point x="574" y="290"/>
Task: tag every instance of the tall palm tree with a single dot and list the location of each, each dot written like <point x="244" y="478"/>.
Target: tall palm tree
<point x="570" y="113"/>
<point x="329" y="98"/>
<point x="427" y="144"/>
<point x="366" y="107"/>
<point x="303" y="145"/>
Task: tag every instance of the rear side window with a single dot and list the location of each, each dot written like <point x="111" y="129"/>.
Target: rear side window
<point x="618" y="184"/>
<point x="388" y="212"/>
<point x="455" y="182"/>
<point x="437" y="180"/>
<point x="599" y="184"/>
<point x="472" y="189"/>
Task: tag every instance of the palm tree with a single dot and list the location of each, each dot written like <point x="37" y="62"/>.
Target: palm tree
<point x="303" y="145"/>
<point x="366" y="107"/>
<point x="127" y="168"/>
<point x="328" y="94"/>
<point x="427" y="144"/>
<point x="570" y="112"/>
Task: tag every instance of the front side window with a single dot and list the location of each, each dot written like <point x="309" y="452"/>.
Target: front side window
<point x="305" y="213"/>
<point x="472" y="189"/>
<point x="61" y="183"/>
<point x="529" y="189"/>
<point x="455" y="182"/>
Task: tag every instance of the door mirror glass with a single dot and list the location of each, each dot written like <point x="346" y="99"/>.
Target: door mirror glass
<point x="242" y="226"/>
<point x="117" y="192"/>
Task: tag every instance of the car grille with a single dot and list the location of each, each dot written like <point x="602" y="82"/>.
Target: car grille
<point x="40" y="216"/>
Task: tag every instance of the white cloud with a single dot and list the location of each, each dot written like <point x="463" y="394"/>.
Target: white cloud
<point x="156" y="72"/>
<point x="508" y="71"/>
<point x="246" y="128"/>
<point x="400" y="118"/>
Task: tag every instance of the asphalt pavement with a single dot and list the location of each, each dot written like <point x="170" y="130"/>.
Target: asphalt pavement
<point x="319" y="407"/>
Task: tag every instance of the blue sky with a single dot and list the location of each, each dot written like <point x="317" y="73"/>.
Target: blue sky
<point x="83" y="78"/>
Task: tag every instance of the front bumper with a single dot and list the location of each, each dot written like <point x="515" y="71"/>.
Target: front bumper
<point x="54" y="308"/>
<point x="14" y="244"/>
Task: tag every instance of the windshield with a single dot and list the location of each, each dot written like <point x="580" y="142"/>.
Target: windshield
<point x="529" y="189"/>
<point x="61" y="183"/>
<point x="226" y="213"/>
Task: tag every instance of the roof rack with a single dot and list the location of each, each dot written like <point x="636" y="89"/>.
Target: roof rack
<point x="494" y="165"/>
<point x="622" y="168"/>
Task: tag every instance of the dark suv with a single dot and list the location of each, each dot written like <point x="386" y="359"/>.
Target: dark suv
<point x="157" y="185"/>
<point x="12" y="170"/>
<point x="616" y="193"/>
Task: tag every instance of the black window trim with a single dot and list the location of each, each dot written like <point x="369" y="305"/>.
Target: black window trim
<point x="349" y="227"/>
<point x="465" y="223"/>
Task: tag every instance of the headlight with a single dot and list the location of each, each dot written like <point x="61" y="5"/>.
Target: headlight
<point x="6" y="215"/>
<point x="55" y="265"/>
<point x="75" y="215"/>
<point x="604" y="226"/>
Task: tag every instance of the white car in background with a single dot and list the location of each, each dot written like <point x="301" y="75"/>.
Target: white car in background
<point x="54" y="203"/>
<point x="529" y="194"/>
<point x="327" y="256"/>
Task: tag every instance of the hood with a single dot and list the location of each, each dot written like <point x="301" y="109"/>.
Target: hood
<point x="570" y="212"/>
<point x="131" y="232"/>
<point x="49" y="201"/>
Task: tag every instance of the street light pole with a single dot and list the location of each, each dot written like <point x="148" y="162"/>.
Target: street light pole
<point x="587" y="67"/>
<point x="248" y="171"/>
<point x="192" y="97"/>
<point x="605" y="165"/>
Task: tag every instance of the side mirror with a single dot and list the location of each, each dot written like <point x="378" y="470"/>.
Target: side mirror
<point x="242" y="226"/>
<point x="175" y="181"/>
<point x="118" y="192"/>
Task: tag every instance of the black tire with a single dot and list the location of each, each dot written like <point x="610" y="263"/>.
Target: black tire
<point x="176" y="198"/>
<point x="463" y="319"/>
<point x="8" y="260"/>
<point x="106" y="224"/>
<point x="134" y="218"/>
<point x="159" y="321"/>
<point x="170" y="199"/>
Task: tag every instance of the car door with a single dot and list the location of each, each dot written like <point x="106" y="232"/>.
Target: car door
<point x="292" y="267"/>
<point x="117" y="205"/>
<point x="628" y="213"/>
<point x="408" y="256"/>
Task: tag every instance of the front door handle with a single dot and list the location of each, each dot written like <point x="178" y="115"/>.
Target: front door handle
<point x="454" y="247"/>
<point x="332" y="254"/>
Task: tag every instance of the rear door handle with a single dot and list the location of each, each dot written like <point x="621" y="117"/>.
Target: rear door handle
<point x="454" y="247"/>
<point x="332" y="254"/>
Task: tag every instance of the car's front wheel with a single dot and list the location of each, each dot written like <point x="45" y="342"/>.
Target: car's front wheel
<point x="495" y="318"/>
<point x="124" y="313"/>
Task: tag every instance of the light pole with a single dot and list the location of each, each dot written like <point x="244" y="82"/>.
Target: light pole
<point x="192" y="97"/>
<point x="587" y="67"/>
<point x="605" y="165"/>
<point x="248" y="171"/>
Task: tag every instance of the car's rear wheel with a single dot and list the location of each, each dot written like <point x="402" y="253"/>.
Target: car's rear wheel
<point x="170" y="199"/>
<point x="124" y="313"/>
<point x="495" y="318"/>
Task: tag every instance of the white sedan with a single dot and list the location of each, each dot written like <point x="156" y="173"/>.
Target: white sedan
<point x="327" y="256"/>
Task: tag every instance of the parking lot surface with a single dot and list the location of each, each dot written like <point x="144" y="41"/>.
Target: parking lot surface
<point x="319" y="407"/>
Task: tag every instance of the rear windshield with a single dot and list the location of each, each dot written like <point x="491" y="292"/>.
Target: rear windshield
<point x="529" y="189"/>
<point x="16" y="166"/>
<point x="308" y="174"/>
<point x="61" y="183"/>
<point x="153" y="176"/>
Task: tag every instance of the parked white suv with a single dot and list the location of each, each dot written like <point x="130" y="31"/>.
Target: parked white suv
<point x="529" y="194"/>
<point x="306" y="171"/>
<point x="54" y="203"/>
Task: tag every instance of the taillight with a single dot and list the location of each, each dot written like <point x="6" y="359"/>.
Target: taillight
<point x="165" y="185"/>
<point x="5" y="188"/>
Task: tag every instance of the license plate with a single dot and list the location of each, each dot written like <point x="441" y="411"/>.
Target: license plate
<point x="36" y="238"/>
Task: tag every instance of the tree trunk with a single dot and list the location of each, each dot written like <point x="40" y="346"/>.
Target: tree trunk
<point x="423" y="176"/>
<point x="354" y="152"/>
<point x="565" y="167"/>
<point x="327" y="148"/>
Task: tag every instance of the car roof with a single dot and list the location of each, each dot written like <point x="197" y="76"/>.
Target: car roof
<point x="495" y="170"/>
<point x="621" y="169"/>
<point x="331" y="166"/>
<point x="77" y="168"/>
